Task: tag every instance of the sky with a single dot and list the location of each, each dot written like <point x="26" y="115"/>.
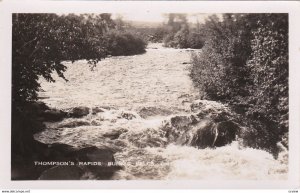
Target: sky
<point x="151" y="16"/>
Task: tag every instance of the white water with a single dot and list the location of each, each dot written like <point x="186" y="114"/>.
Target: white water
<point x="156" y="79"/>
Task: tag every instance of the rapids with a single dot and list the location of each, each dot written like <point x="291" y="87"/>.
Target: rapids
<point x="137" y="98"/>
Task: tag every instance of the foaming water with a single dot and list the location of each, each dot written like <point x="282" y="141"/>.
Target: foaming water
<point x="141" y="146"/>
<point x="228" y="162"/>
<point x="143" y="93"/>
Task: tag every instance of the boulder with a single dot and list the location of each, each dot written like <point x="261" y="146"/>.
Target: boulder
<point x="62" y="173"/>
<point x="95" y="155"/>
<point x="114" y="134"/>
<point x="212" y="110"/>
<point x="201" y="132"/>
<point x="180" y="121"/>
<point x="23" y="168"/>
<point x="62" y="148"/>
<point x="128" y="115"/>
<point x="186" y="132"/>
<point x="78" y="112"/>
<point x="74" y="123"/>
<point x="227" y="132"/>
<point x="96" y="110"/>
<point x="39" y="106"/>
<point x="53" y="115"/>
<point x="177" y="128"/>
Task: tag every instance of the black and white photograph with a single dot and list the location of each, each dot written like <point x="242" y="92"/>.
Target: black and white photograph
<point x="150" y="95"/>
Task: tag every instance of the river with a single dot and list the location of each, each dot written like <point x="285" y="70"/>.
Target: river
<point x="151" y="88"/>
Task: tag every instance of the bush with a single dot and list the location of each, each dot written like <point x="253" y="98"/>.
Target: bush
<point x="124" y="43"/>
<point x="195" y="40"/>
<point x="269" y="71"/>
<point x="220" y="70"/>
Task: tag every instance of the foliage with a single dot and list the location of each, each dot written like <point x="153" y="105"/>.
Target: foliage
<point x="220" y="69"/>
<point x="42" y="41"/>
<point x="269" y="71"/>
<point x="177" y="33"/>
<point x="124" y="43"/>
<point x="245" y="63"/>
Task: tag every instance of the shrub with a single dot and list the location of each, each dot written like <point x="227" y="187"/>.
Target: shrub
<point x="195" y="40"/>
<point x="124" y="43"/>
<point x="269" y="71"/>
<point x="219" y="70"/>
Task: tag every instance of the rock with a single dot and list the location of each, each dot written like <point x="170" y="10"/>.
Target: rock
<point x="39" y="106"/>
<point x="180" y="121"/>
<point x="227" y="132"/>
<point x="146" y="138"/>
<point x="176" y="128"/>
<point x="62" y="173"/>
<point x="146" y="112"/>
<point x="97" y="110"/>
<point x="114" y="134"/>
<point x="200" y="132"/>
<point x="59" y="152"/>
<point x="74" y="123"/>
<point x="62" y="148"/>
<point x="216" y="111"/>
<point x="204" y="135"/>
<point x="186" y="131"/>
<point x="208" y="106"/>
<point x="96" y="155"/>
<point x="78" y="112"/>
<point x="128" y="115"/>
<point x="23" y="168"/>
<point x="53" y="115"/>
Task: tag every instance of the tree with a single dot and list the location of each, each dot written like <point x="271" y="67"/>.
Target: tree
<point x="40" y="43"/>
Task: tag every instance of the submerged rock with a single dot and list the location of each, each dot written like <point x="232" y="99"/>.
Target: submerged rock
<point x="146" y="112"/>
<point x="61" y="148"/>
<point x="73" y="123"/>
<point x="96" y="110"/>
<point x="62" y="173"/>
<point x="78" y="112"/>
<point x="114" y="134"/>
<point x="95" y="154"/>
<point x="53" y="115"/>
<point x="129" y="115"/>
<point x="98" y="161"/>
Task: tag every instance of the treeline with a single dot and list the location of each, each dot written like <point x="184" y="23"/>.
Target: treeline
<point x="244" y="63"/>
<point x="42" y="41"/>
<point x="177" y="32"/>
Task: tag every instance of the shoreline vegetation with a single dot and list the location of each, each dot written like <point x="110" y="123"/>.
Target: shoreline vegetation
<point x="242" y="63"/>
